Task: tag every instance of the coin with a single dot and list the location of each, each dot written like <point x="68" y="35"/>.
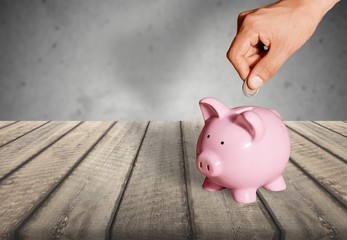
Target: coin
<point x="247" y="91"/>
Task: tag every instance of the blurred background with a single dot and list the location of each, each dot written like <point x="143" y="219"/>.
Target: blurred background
<point x="153" y="60"/>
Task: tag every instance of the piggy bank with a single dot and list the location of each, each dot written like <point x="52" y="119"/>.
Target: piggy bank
<point x="242" y="149"/>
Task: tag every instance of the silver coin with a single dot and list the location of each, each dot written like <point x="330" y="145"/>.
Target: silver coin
<point x="247" y="91"/>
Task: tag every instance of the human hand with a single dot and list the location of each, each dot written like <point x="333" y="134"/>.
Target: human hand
<point x="282" y="27"/>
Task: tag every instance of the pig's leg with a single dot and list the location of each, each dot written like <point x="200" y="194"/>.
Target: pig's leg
<point x="244" y="195"/>
<point x="277" y="185"/>
<point x="211" y="186"/>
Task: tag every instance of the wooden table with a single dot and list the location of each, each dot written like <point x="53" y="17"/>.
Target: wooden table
<point x="120" y="180"/>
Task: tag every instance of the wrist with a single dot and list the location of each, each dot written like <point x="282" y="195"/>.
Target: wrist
<point x="319" y="7"/>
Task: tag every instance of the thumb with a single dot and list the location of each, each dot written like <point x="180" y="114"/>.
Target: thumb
<point x="266" y="68"/>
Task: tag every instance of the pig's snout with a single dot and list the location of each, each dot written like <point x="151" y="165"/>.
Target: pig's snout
<point x="209" y="164"/>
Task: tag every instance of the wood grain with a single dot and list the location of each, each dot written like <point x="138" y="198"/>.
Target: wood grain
<point x="17" y="153"/>
<point x="96" y="180"/>
<point x="329" y="140"/>
<point x="323" y="167"/>
<point x="95" y="184"/>
<point x="154" y="204"/>
<point x="339" y="127"/>
<point x="304" y="210"/>
<point x="214" y="214"/>
<point x="6" y="123"/>
<point x="17" y="130"/>
<point x="26" y="188"/>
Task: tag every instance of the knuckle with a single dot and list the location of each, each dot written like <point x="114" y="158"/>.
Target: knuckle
<point x="232" y="55"/>
<point x="242" y="15"/>
<point x="249" y="19"/>
<point x="228" y="55"/>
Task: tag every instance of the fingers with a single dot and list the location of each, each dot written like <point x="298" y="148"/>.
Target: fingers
<point x="253" y="60"/>
<point x="236" y="55"/>
<point x="253" y="51"/>
<point x="266" y="37"/>
<point x="241" y="48"/>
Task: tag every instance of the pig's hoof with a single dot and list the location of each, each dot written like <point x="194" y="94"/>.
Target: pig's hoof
<point x="211" y="186"/>
<point x="278" y="185"/>
<point x="244" y="195"/>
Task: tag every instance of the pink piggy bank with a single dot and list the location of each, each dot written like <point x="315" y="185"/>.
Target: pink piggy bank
<point x="242" y="149"/>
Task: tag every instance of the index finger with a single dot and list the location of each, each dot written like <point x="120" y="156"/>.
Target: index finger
<point x="236" y="54"/>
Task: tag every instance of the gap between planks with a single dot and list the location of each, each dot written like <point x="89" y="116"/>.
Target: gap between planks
<point x="338" y="127"/>
<point x="192" y="228"/>
<point x="103" y="172"/>
<point x="154" y="204"/>
<point x="17" y="130"/>
<point x="324" y="167"/>
<point x="324" y="138"/>
<point x="38" y="204"/>
<point x="25" y="187"/>
<point x="4" y="124"/>
<point x="298" y="212"/>
<point x="187" y="181"/>
<point x="215" y="214"/>
<point x="123" y="189"/>
<point x="19" y="153"/>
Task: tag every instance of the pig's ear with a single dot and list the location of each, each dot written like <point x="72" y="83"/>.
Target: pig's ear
<point x="211" y="107"/>
<point x="252" y="123"/>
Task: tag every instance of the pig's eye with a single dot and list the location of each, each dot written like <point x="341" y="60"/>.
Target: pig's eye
<point x="222" y="142"/>
<point x="208" y="136"/>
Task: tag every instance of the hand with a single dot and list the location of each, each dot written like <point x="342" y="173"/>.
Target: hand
<point x="282" y="27"/>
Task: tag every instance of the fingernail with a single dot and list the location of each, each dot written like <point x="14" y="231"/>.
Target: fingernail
<point x="256" y="82"/>
<point x="247" y="91"/>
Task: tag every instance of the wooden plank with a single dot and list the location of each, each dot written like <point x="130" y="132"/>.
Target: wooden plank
<point x="28" y="187"/>
<point x="154" y="204"/>
<point x="214" y="214"/>
<point x="304" y="210"/>
<point x="323" y="167"/>
<point x="336" y="126"/>
<point x="95" y="184"/>
<point x="17" y="153"/>
<point x="330" y="141"/>
<point x="17" y="130"/>
<point x="6" y="123"/>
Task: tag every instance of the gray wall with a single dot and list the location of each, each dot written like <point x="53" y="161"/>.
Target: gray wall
<point x="153" y="60"/>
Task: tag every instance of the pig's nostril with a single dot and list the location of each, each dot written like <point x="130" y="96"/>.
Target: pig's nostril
<point x="200" y="164"/>
<point x="208" y="167"/>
